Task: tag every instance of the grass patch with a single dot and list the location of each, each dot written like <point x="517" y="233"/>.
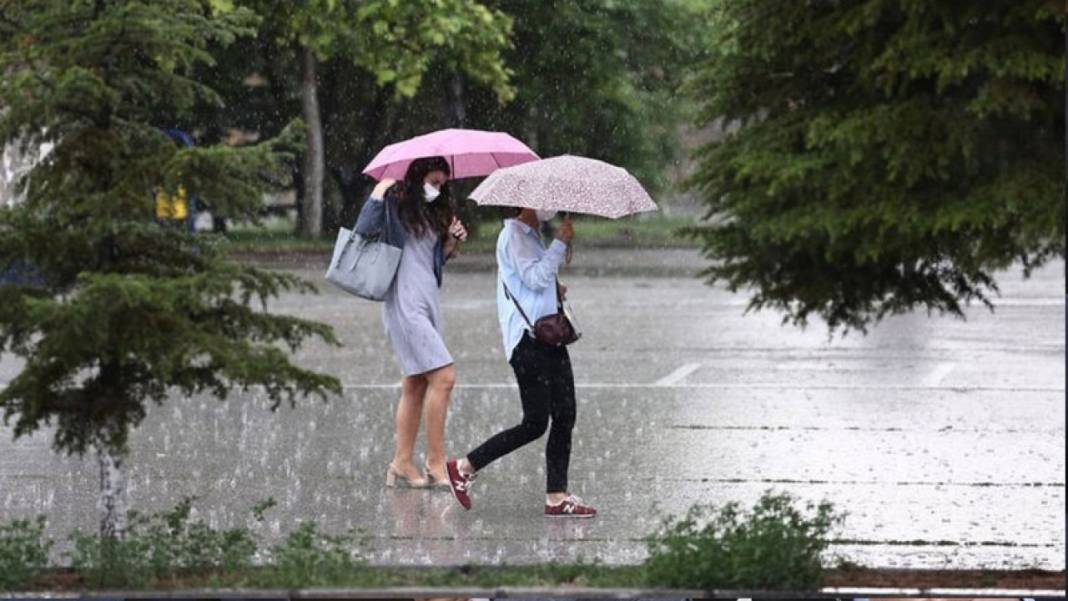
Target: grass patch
<point x="656" y="231"/>
<point x="639" y="231"/>
<point x="274" y="241"/>
<point x="364" y="576"/>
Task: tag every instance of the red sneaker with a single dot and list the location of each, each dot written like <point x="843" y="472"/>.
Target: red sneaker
<point x="571" y="507"/>
<point x="459" y="482"/>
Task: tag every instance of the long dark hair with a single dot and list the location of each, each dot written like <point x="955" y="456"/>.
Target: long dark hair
<point x="418" y="215"/>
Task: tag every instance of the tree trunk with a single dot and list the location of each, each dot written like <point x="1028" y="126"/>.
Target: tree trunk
<point x="314" y="164"/>
<point x="332" y="206"/>
<point x="354" y="186"/>
<point x="532" y="128"/>
<point x="350" y="187"/>
<point x="456" y="101"/>
<point x="112" y="493"/>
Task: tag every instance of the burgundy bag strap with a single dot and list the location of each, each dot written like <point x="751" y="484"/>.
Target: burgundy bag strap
<point x="508" y="295"/>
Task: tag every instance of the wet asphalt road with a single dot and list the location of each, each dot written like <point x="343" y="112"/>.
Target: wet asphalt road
<point x="944" y="440"/>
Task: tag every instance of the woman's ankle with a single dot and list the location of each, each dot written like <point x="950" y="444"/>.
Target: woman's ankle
<point x="555" y="498"/>
<point x="405" y="467"/>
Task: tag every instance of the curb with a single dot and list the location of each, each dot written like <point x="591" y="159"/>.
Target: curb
<point x="486" y="263"/>
<point x="542" y="593"/>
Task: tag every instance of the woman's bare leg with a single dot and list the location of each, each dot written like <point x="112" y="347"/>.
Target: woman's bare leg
<point x="440" y="383"/>
<point x="409" y="414"/>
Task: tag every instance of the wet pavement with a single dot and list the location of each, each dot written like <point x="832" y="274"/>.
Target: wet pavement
<point x="944" y="440"/>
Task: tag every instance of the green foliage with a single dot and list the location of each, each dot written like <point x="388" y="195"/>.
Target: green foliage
<point x="396" y="42"/>
<point x="775" y="546"/>
<point x="309" y="557"/>
<point x="401" y="40"/>
<point x="130" y="310"/>
<point x="169" y="550"/>
<point x="161" y="548"/>
<point x="374" y="57"/>
<point x="889" y="154"/>
<point x="23" y="553"/>
<point x="600" y="78"/>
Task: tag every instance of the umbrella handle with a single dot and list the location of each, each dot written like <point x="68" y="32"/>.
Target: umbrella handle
<point x="570" y="245"/>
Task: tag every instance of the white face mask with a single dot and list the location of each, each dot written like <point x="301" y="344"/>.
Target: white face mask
<point x="430" y="192"/>
<point x="545" y="215"/>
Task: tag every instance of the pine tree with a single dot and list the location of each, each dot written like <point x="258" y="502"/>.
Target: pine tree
<point x="885" y="155"/>
<point x="126" y="311"/>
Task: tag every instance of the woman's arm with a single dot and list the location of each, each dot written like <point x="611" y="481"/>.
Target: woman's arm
<point x="536" y="272"/>
<point x="382" y="187"/>
<point x="372" y="217"/>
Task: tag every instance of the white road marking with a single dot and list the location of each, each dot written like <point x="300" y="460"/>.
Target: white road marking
<point x="678" y="375"/>
<point x="938" y="374"/>
<point x="944" y="592"/>
<point x="512" y="385"/>
<point x="594" y="385"/>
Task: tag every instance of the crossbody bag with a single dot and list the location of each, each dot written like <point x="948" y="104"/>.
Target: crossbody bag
<point x="554" y="330"/>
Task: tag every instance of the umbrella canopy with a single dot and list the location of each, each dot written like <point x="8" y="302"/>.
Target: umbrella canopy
<point x="566" y="183"/>
<point x="470" y="153"/>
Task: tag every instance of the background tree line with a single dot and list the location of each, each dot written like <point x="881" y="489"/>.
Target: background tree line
<point x="599" y="78"/>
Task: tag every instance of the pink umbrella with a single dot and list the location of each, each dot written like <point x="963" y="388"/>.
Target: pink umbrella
<point x="470" y="152"/>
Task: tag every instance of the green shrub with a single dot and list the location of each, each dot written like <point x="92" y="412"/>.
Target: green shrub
<point x="309" y="557"/>
<point x="774" y="546"/>
<point x="161" y="547"/>
<point x="23" y="553"/>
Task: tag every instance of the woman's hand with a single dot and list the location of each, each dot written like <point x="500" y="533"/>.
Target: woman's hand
<point x="457" y="234"/>
<point x="561" y="290"/>
<point x="457" y="230"/>
<point x="566" y="231"/>
<point x="381" y="187"/>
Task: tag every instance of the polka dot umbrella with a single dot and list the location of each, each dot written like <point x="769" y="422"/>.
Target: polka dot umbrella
<point x="566" y="183"/>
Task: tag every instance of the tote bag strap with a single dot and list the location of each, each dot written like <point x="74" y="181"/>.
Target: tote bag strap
<point x="383" y="236"/>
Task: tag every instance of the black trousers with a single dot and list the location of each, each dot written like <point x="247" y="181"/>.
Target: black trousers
<point x="547" y="391"/>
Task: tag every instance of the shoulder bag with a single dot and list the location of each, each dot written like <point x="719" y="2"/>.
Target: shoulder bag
<point x="554" y="330"/>
<point x="364" y="265"/>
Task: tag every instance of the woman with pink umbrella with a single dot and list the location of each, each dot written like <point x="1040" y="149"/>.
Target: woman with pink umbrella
<point x="416" y="214"/>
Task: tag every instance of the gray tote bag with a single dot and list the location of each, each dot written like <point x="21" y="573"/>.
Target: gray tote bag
<point x="364" y="266"/>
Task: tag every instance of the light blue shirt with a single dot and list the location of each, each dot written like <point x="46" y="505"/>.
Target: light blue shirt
<point x="529" y="269"/>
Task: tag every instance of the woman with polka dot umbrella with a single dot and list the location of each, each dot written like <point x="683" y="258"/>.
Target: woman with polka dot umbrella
<point x="531" y="297"/>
